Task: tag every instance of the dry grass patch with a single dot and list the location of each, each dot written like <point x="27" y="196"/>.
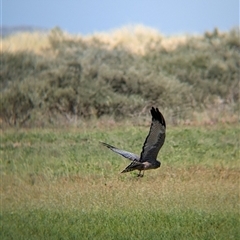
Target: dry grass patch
<point x="205" y="189"/>
<point x="36" y="42"/>
<point x="134" y="38"/>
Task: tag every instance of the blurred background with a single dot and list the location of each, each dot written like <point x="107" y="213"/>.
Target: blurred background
<point x="67" y="61"/>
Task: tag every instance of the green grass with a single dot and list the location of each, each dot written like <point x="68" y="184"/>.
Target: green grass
<point x="62" y="184"/>
<point x="43" y="224"/>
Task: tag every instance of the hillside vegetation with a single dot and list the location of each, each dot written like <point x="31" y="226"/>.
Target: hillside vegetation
<point x="57" y="78"/>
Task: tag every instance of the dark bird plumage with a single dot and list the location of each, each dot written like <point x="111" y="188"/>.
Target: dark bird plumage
<point x="153" y="143"/>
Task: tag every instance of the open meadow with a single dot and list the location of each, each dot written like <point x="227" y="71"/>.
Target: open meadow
<point x="62" y="184"/>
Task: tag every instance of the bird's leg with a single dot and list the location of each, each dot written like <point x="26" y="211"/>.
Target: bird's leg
<point x="140" y="175"/>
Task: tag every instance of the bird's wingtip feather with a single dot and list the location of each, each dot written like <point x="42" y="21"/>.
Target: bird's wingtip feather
<point x="105" y="144"/>
<point x="157" y="115"/>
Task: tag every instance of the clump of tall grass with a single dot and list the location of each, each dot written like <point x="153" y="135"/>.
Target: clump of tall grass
<point x="35" y="41"/>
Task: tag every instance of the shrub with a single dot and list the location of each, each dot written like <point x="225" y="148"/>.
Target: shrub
<point x="89" y="77"/>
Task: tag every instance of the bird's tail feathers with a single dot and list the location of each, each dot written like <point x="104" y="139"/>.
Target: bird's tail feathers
<point x="134" y="165"/>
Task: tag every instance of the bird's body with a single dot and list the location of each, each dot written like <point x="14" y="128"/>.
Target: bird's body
<point x="152" y="145"/>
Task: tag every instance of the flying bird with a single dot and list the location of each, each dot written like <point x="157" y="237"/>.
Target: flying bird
<point x="153" y="143"/>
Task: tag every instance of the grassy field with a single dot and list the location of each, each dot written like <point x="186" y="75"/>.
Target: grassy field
<point x="62" y="184"/>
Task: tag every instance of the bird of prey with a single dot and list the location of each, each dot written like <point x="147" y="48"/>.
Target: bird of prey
<point x="152" y="145"/>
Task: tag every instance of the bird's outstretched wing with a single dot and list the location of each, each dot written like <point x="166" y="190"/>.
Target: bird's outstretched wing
<point x="155" y="138"/>
<point x="128" y="155"/>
